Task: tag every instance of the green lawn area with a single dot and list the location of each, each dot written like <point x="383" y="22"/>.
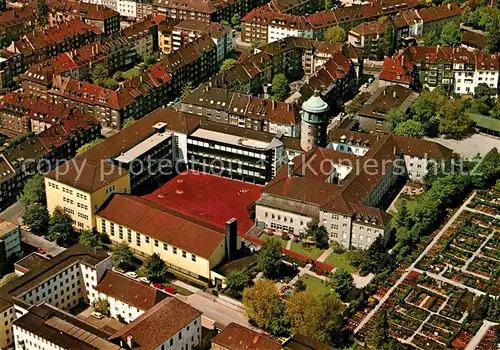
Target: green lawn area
<point x="132" y="72"/>
<point x="409" y="203"/>
<point x="313" y="284"/>
<point x="309" y="251"/>
<point x="341" y="261"/>
<point x="266" y="237"/>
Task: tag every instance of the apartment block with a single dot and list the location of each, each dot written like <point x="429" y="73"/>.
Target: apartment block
<point x="10" y="240"/>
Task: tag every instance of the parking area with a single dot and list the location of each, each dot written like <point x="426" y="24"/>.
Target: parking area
<point x="107" y="324"/>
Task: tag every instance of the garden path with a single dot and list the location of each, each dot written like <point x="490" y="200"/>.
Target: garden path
<point x="325" y="255"/>
<point x="479" y="335"/>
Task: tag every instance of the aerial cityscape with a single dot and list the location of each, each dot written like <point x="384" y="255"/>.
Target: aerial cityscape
<point x="250" y="174"/>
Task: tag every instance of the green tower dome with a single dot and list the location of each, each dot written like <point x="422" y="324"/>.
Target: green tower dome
<point x="315" y="104"/>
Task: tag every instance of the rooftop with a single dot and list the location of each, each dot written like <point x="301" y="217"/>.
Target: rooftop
<point x="236" y="337"/>
<point x="208" y="198"/>
<point x="386" y="98"/>
<point x="31" y="262"/>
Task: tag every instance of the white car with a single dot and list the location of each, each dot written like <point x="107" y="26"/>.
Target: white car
<point x="145" y="280"/>
<point x="97" y="315"/>
<point x="131" y="274"/>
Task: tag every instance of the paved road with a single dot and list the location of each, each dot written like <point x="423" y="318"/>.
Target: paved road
<point x="412" y="267"/>
<point x="220" y="312"/>
<point x="39" y="242"/>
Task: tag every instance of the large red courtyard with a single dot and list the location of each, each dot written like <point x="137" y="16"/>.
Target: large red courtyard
<point x="209" y="198"/>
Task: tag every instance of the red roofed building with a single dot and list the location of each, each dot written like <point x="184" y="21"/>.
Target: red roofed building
<point x="50" y="42"/>
<point x="14" y="23"/>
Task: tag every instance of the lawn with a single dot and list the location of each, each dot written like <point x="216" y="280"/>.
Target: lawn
<point x="266" y="237"/>
<point x="410" y="204"/>
<point x="131" y="73"/>
<point x="310" y="251"/>
<point x="313" y="284"/>
<point x="340" y="261"/>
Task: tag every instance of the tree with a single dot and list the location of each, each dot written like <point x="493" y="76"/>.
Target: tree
<point x="380" y="332"/>
<point x="42" y="13"/>
<point x="336" y="34"/>
<point x="371" y="260"/>
<point x="482" y="91"/>
<point x="410" y="128"/>
<point x="122" y="255"/>
<point x="235" y="20"/>
<point x="269" y="258"/>
<point x="101" y="306"/>
<point x="155" y="267"/>
<point x="280" y="87"/>
<point x="386" y="45"/>
<point x="90" y="239"/>
<point x="99" y="74"/>
<point x="89" y="145"/>
<point x="327" y="4"/>
<point x="318" y="233"/>
<point x="61" y="227"/>
<point x="109" y="83"/>
<point x="487" y="170"/>
<point x="236" y="282"/>
<point x="395" y="116"/>
<point x="451" y="35"/>
<point x="227" y="64"/>
<point x="300" y="286"/>
<point x="128" y="122"/>
<point x="33" y="192"/>
<point x="454" y="122"/>
<point x="402" y="218"/>
<point x="341" y="282"/>
<point x="36" y="216"/>
<point x="262" y="302"/>
<point x="186" y="89"/>
<point x="150" y="58"/>
<point x="318" y="316"/>
<point x="355" y="105"/>
<point x="431" y="38"/>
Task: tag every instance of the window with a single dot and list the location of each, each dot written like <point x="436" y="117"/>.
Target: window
<point x="147" y="239"/>
<point x="129" y="236"/>
<point x="193" y="257"/>
<point x="174" y="250"/>
<point x="156" y="243"/>
<point x="184" y="254"/>
<point x="165" y="246"/>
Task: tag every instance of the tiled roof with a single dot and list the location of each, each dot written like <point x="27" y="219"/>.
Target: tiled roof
<point x="435" y="13"/>
<point x="129" y="291"/>
<point x="236" y="337"/>
<point x="161" y="322"/>
<point x="159" y="223"/>
<point x="386" y="98"/>
<point x="16" y="17"/>
<point x="370" y="28"/>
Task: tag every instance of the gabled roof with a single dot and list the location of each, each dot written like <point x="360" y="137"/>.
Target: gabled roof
<point x="237" y="337"/>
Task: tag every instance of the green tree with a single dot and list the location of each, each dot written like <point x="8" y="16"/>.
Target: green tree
<point x="90" y="239"/>
<point x="327" y="4"/>
<point x="155" y="268"/>
<point x="262" y="302"/>
<point x="227" y="64"/>
<point x="410" y="128"/>
<point x="318" y="233"/>
<point x="454" y="122"/>
<point x="42" y="14"/>
<point x="186" y="89"/>
<point x="355" y="105"/>
<point x="336" y="34"/>
<point x="33" y="192"/>
<point x="101" y="306"/>
<point x="300" y="286"/>
<point x="99" y="74"/>
<point x="402" y="218"/>
<point x="387" y="44"/>
<point x="225" y="23"/>
<point x="431" y="38"/>
<point x="122" y="255"/>
<point x="395" y="116"/>
<point x="61" y="227"/>
<point x="318" y="316"/>
<point x="235" y="20"/>
<point x="128" y="122"/>
<point x="36" y="217"/>
<point x="482" y="91"/>
<point x="89" y="145"/>
<point x="150" y="58"/>
<point x="487" y="171"/>
<point x="451" y="35"/>
<point x="269" y="258"/>
<point x="280" y="87"/>
<point x="379" y="335"/>
<point x="109" y="83"/>
<point x="341" y="282"/>
<point x="236" y="282"/>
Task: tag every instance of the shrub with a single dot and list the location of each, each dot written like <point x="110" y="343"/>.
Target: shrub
<point x="337" y="248"/>
<point x="285" y="236"/>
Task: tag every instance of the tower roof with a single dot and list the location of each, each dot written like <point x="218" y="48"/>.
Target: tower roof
<point x="315" y="104"/>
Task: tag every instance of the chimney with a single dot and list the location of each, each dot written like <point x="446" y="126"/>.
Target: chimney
<point x="130" y="341"/>
<point x="385" y="92"/>
<point x="290" y="168"/>
<point x="231" y="238"/>
<point x="449" y="6"/>
<point x="394" y="94"/>
<point x="93" y="51"/>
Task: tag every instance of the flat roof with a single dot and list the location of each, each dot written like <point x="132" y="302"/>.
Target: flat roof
<point x="209" y="198"/>
<point x="6" y="227"/>
<point x="143" y="147"/>
<point x="230" y="139"/>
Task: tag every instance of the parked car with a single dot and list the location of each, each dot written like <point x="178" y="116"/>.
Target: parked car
<point x="158" y="285"/>
<point x="117" y="269"/>
<point x="26" y="228"/>
<point x="131" y="274"/>
<point x="170" y="290"/>
<point x="145" y="280"/>
<point x="97" y="315"/>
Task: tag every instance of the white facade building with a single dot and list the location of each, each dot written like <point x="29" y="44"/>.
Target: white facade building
<point x="277" y="32"/>
<point x="126" y="8"/>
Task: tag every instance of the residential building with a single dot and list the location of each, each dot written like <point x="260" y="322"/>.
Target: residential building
<point x="373" y="115"/>
<point x="45" y="327"/>
<point x="300" y="7"/>
<point x="16" y="22"/>
<point x="30" y="262"/>
<point x="62" y="282"/>
<point x="142" y="36"/>
<point x="50" y="42"/>
<point x="186" y="245"/>
<point x="342" y="200"/>
<point x="11" y="64"/>
<point x="367" y="35"/>
<point x="127" y="298"/>
<point x="457" y="69"/>
<point x="180" y="328"/>
<point x="104" y="18"/>
<point x="265" y="24"/>
<point x="236" y="337"/>
<point x="223" y="106"/>
<point x="10" y="240"/>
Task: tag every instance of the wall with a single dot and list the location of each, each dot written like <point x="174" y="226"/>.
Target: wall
<point x="6" y="332"/>
<point x="416" y="168"/>
<point x="338" y="227"/>
<point x="276" y="219"/>
<point x="27" y="340"/>
<point x="187" y="338"/>
<point x="118" y="307"/>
